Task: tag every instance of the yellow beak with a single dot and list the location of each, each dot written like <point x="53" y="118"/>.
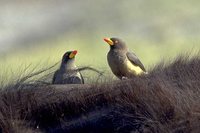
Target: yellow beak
<point x="109" y="41"/>
<point x="72" y="55"/>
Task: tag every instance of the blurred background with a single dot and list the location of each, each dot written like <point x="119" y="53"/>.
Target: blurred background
<point x="38" y="32"/>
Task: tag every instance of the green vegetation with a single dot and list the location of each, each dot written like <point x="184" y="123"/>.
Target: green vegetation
<point x="91" y="52"/>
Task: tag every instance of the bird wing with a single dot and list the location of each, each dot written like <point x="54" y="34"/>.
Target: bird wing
<point x="72" y="80"/>
<point x="134" y="59"/>
<point x="73" y="77"/>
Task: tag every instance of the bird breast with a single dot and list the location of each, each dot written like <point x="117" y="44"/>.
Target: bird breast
<point x="116" y="61"/>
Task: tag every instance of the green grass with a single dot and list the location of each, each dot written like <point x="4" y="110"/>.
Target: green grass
<point x="91" y="52"/>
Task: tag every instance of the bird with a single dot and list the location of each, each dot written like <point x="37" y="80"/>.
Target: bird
<point x="68" y="72"/>
<point x="123" y="63"/>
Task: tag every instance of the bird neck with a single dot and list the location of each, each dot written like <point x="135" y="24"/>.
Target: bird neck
<point x="69" y="65"/>
<point x="116" y="50"/>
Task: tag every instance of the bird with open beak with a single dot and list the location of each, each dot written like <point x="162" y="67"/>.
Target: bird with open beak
<point x="68" y="73"/>
<point x="123" y="63"/>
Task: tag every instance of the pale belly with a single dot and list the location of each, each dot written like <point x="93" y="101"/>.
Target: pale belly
<point x="132" y="68"/>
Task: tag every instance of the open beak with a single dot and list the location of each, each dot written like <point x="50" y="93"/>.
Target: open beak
<point x="73" y="54"/>
<point x="109" y="41"/>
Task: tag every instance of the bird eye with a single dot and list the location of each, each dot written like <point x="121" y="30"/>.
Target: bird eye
<point x="116" y="41"/>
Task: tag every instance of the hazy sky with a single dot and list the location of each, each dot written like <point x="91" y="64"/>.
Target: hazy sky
<point x="24" y="22"/>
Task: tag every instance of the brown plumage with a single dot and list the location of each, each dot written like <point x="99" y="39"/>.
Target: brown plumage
<point x="123" y="63"/>
<point x="68" y="72"/>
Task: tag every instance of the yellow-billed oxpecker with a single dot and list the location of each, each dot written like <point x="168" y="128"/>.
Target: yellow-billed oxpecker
<point x="123" y="63"/>
<point x="68" y="73"/>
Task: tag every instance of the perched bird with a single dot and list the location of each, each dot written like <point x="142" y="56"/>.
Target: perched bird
<point x="68" y="73"/>
<point x="123" y="63"/>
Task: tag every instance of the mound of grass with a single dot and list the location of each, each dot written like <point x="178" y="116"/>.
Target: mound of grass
<point x="165" y="100"/>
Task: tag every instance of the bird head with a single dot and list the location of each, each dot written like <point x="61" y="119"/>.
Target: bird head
<point x="115" y="43"/>
<point x="70" y="55"/>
